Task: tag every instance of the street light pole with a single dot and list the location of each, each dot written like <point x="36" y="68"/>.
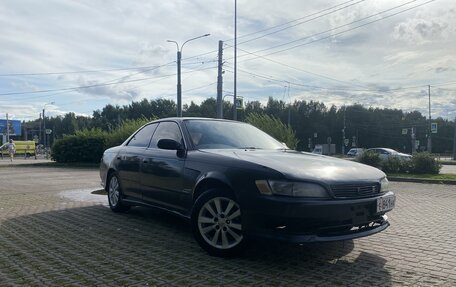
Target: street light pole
<point x="429" y="143"/>
<point x="235" y="62"/>
<point x="179" y="84"/>
<point x="44" y="126"/>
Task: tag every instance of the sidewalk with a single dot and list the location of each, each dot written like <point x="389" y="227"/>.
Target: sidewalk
<point x="20" y="161"/>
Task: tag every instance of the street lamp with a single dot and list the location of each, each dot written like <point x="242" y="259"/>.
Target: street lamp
<point x="179" y="86"/>
<point x="44" y="126"/>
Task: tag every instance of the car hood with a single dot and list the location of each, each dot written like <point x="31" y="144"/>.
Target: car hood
<point x="306" y="166"/>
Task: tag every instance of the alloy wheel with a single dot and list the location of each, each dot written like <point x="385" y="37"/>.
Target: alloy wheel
<point x="114" y="191"/>
<point x="219" y="223"/>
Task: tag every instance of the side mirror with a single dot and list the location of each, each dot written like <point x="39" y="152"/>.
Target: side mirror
<point x="169" y="144"/>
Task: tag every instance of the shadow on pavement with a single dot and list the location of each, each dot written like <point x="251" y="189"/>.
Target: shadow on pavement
<point x="93" y="246"/>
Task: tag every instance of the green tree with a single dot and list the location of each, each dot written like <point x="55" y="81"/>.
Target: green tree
<point x="274" y="127"/>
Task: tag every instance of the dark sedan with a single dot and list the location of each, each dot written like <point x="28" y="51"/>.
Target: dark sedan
<point x="235" y="182"/>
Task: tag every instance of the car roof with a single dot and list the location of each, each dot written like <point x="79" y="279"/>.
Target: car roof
<point x="385" y="148"/>
<point x="181" y="119"/>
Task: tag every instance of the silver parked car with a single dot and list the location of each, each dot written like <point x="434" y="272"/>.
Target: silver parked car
<point x="355" y="151"/>
<point x="386" y="153"/>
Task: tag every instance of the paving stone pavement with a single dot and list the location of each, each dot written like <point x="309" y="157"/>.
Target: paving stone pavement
<point x="54" y="232"/>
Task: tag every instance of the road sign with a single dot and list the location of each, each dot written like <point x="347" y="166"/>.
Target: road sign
<point x="434" y="128"/>
<point x="239" y="103"/>
<point x="404" y="131"/>
<point x="48" y="131"/>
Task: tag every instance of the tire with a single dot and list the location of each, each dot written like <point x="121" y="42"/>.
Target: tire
<point x="114" y="190"/>
<point x="216" y="223"/>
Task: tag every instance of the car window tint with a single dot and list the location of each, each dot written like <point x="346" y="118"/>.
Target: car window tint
<point x="166" y="130"/>
<point x="208" y="134"/>
<point x="142" y="137"/>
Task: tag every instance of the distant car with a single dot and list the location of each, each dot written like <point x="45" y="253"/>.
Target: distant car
<point x="386" y="153"/>
<point x="234" y="182"/>
<point x="355" y="151"/>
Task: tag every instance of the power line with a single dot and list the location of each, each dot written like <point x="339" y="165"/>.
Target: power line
<point x="143" y="69"/>
<point x="189" y="90"/>
<point x="270" y="78"/>
<point x="345" y="31"/>
<point x="78" y="72"/>
<point x="96" y="85"/>
<point x="342" y="32"/>
<point x="299" y="23"/>
<point x="148" y="68"/>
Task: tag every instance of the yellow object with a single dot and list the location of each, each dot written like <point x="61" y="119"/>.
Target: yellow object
<point x="23" y="147"/>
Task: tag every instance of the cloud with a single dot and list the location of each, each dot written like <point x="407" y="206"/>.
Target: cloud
<point x="419" y="31"/>
<point x="411" y="49"/>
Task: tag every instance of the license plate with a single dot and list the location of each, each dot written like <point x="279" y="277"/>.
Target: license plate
<point x="385" y="203"/>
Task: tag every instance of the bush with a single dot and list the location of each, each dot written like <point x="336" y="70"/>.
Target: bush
<point x="395" y="165"/>
<point x="88" y="145"/>
<point x="370" y="158"/>
<point x="274" y="127"/>
<point x="84" y="147"/>
<point x="424" y="163"/>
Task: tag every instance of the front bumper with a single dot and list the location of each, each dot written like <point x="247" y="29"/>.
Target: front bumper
<point x="299" y="220"/>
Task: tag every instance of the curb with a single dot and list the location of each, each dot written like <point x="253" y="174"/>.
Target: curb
<point x="448" y="162"/>
<point x="420" y="180"/>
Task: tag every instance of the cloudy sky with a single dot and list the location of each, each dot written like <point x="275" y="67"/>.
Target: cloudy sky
<point x="82" y="55"/>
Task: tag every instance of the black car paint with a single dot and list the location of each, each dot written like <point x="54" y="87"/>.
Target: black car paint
<point x="172" y="180"/>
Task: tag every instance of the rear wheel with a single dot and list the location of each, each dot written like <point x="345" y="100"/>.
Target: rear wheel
<point x="115" y="194"/>
<point x="216" y="223"/>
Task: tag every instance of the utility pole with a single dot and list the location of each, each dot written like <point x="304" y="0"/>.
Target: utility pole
<point x="44" y="130"/>
<point x="39" y="135"/>
<point x="454" y="140"/>
<point x="289" y="106"/>
<point x="220" y="82"/>
<point x="429" y="143"/>
<point x="235" y="61"/>
<point x="412" y="134"/>
<point x="7" y="128"/>
<point x="343" y="134"/>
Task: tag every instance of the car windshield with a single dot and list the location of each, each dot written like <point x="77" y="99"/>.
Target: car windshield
<point x="208" y="134"/>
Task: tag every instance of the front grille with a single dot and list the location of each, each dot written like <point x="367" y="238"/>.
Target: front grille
<point x="355" y="190"/>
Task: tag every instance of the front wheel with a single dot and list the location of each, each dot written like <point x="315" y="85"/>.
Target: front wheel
<point x="115" y="195"/>
<point x="216" y="223"/>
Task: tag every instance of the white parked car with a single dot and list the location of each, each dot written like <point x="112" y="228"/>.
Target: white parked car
<point x="386" y="153"/>
<point x="355" y="151"/>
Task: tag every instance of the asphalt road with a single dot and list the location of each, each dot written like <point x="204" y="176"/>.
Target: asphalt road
<point x="55" y="232"/>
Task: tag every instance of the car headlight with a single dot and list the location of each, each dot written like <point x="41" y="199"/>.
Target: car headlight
<point x="384" y="185"/>
<point x="297" y="189"/>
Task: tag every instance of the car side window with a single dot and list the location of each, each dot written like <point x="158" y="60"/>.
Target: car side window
<point x="143" y="136"/>
<point x="166" y="130"/>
